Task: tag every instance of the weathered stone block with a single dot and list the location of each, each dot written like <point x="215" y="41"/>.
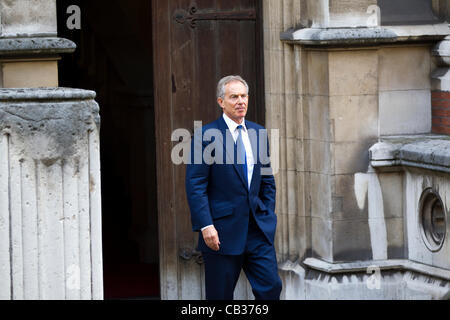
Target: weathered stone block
<point x="300" y="155"/>
<point x="317" y="13"/>
<point x="320" y="157"/>
<point x="28" y="17"/>
<point x="392" y="191"/>
<point x="29" y="74"/>
<point x="395" y="238"/>
<point x="318" y="73"/>
<point x="275" y="68"/>
<point x="291" y="115"/>
<point x="274" y="103"/>
<point x="405" y="112"/>
<point x="354" y="118"/>
<point x="353" y="72"/>
<point x="292" y="192"/>
<point x="351" y="240"/>
<point x="319" y="191"/>
<point x="293" y="277"/>
<point x="322" y="238"/>
<point x="346" y="205"/>
<point x="351" y="157"/>
<point x="405" y="68"/>
<point x="316" y="111"/>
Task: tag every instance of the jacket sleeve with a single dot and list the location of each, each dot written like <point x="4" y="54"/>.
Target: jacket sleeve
<point x="267" y="191"/>
<point x="197" y="175"/>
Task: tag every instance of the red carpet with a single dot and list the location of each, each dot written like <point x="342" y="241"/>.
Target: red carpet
<point x="131" y="281"/>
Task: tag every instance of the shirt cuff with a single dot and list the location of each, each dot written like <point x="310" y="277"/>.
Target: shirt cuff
<point x="207" y="227"/>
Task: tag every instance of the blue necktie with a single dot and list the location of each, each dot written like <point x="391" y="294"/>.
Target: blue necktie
<point x="241" y="156"/>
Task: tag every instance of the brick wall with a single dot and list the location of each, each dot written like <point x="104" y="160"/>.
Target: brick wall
<point x="440" y="103"/>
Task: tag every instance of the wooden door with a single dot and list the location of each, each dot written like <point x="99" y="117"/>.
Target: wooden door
<point x="195" y="44"/>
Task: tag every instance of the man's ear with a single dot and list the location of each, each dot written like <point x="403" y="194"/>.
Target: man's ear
<point x="220" y="101"/>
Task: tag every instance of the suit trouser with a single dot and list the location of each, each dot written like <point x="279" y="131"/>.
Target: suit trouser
<point x="258" y="262"/>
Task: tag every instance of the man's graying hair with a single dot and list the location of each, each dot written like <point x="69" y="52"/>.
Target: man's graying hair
<point x="224" y="81"/>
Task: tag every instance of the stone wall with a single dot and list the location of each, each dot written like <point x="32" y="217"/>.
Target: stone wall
<point x="50" y="208"/>
<point x="28" y="17"/>
<point x="350" y="99"/>
<point x="333" y="93"/>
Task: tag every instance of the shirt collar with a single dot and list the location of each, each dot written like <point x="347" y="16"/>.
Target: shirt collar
<point x="233" y="125"/>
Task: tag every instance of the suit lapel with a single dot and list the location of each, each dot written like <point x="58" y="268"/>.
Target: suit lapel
<point x="231" y="150"/>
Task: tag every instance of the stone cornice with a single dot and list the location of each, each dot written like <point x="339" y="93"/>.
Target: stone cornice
<point x="364" y="266"/>
<point x="431" y="152"/>
<point x="334" y="36"/>
<point x="45" y="94"/>
<point x="63" y="113"/>
<point x="364" y="36"/>
<point x="35" y="46"/>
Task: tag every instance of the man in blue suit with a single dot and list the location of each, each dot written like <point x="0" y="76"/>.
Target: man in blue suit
<point x="231" y="194"/>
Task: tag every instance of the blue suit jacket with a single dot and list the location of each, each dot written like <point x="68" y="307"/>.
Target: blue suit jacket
<point x="218" y="194"/>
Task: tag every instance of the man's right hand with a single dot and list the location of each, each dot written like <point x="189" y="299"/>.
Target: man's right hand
<point x="211" y="238"/>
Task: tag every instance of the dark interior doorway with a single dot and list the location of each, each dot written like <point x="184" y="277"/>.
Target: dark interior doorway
<point x="114" y="58"/>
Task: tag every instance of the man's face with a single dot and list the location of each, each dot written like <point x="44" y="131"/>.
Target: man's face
<point x="235" y="103"/>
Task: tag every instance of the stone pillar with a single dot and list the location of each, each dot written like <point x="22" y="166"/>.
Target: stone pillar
<point x="284" y="112"/>
<point x="29" y="46"/>
<point x="50" y="208"/>
<point x="341" y="120"/>
<point x="353" y="95"/>
<point x="281" y="114"/>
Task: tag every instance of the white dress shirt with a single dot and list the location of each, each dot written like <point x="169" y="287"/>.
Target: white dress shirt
<point x="232" y="126"/>
<point x="247" y="145"/>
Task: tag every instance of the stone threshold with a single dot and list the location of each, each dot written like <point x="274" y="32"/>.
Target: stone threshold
<point x="427" y="151"/>
<point x="363" y="266"/>
<point x="365" y="35"/>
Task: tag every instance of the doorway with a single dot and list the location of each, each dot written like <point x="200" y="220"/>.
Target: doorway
<point x="114" y="58"/>
<point x="196" y="43"/>
<point x="154" y="65"/>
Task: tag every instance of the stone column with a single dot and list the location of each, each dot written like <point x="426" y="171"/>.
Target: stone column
<point x="284" y="112"/>
<point x="50" y="208"/>
<point x="29" y="46"/>
<point x="352" y="95"/>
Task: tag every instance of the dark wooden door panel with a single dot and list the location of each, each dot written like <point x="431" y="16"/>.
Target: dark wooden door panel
<point x="214" y="46"/>
<point x="195" y="44"/>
